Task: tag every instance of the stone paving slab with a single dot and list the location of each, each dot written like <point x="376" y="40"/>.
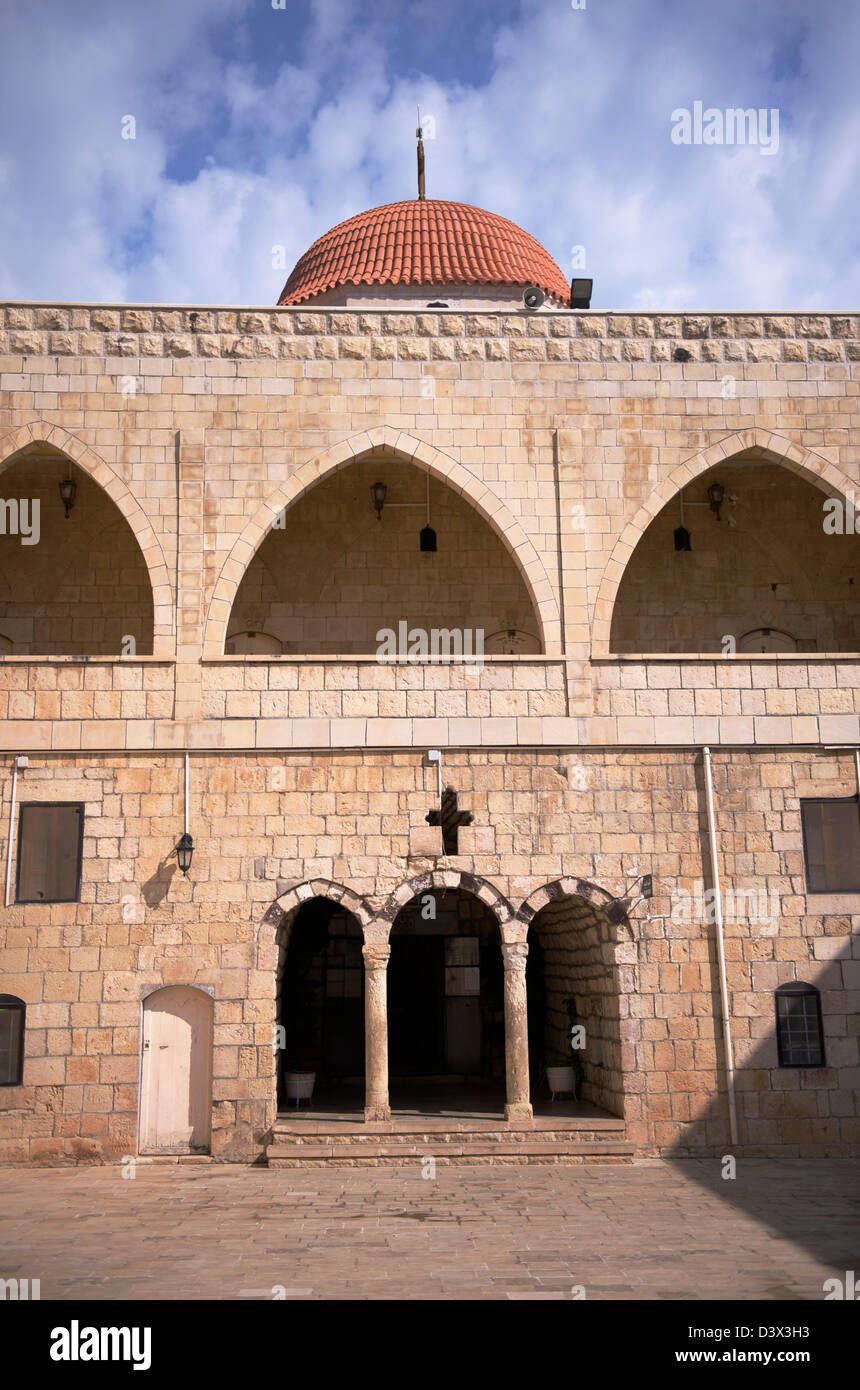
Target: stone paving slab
<point x="652" y="1230"/>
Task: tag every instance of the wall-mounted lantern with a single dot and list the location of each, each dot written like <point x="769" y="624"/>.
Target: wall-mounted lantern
<point x="716" y="493"/>
<point x="378" y="494"/>
<point x="184" y="852"/>
<point x="68" y="488"/>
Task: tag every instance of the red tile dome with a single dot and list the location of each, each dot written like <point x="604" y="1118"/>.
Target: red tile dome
<point x="424" y="242"/>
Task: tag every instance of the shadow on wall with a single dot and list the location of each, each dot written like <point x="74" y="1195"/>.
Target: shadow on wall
<point x="157" y="886"/>
<point x="801" y="1112"/>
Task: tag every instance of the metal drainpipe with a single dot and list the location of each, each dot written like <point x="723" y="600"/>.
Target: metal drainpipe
<point x="721" y="954"/>
<point x="15" y="765"/>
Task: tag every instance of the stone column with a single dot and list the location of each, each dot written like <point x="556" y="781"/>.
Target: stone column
<point x="376" y="1105"/>
<point x="518" y="1105"/>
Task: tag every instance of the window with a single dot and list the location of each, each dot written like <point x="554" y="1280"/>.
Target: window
<point x="11" y="1040"/>
<point x="831" y="844"/>
<point x="799" y="1036"/>
<point x="50" y="843"/>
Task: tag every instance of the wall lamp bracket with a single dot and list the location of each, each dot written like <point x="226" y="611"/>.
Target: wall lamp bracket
<point x="184" y="851"/>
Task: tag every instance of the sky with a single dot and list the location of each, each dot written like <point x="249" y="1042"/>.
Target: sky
<point x="259" y="124"/>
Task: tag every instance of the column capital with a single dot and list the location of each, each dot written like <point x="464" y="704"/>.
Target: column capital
<point x="376" y="954"/>
<point x="514" y="954"/>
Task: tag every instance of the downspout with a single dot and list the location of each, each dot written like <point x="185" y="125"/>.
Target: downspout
<point x="19" y="762"/>
<point x="556" y="471"/>
<point x="721" y="954"/>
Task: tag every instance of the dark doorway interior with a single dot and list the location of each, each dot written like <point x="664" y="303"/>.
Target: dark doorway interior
<point x="322" y="1000"/>
<point x="415" y="1021"/>
<point x="536" y="1003"/>
<point x="445" y="1002"/>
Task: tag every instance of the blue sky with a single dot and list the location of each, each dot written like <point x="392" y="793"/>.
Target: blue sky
<point x="259" y="127"/>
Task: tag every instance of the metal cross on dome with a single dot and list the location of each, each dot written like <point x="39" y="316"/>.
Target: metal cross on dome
<point x="450" y="817"/>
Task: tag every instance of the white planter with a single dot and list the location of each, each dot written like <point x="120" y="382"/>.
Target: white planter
<point x="561" y="1082"/>
<point x="299" y="1085"/>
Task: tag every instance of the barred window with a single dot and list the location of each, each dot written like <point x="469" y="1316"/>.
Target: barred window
<point x="50" y="843"/>
<point x="831" y="844"/>
<point x="799" y="1034"/>
<point x="12" y="1011"/>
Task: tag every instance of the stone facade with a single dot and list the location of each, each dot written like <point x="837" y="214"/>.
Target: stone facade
<point x="563" y="436"/>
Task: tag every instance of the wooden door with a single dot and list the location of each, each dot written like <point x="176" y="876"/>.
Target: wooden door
<point x="176" y="1076"/>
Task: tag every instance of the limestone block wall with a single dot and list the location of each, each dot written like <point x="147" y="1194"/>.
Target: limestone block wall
<point x="264" y="825"/>
<point x="237" y="410"/>
<point x="565" y="433"/>
<point x="363" y="702"/>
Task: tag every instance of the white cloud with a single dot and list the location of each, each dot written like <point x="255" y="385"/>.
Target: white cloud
<point x="568" y="135"/>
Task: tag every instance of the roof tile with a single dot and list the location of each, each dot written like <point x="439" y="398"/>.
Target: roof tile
<point x="424" y="242"/>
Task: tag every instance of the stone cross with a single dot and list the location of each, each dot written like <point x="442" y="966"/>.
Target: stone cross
<point x="450" y="817"/>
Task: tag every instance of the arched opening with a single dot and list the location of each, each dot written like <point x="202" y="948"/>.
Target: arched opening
<point x="337" y="569"/>
<point x="572" y="958"/>
<point x="176" y="1072"/>
<point x="320" y="1001"/>
<point x="446" y="1037"/>
<point x="70" y="585"/>
<point x="252" y="644"/>
<point x="764" y="568"/>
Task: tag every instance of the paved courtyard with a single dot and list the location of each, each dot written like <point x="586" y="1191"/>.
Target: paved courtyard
<point x="652" y="1230"/>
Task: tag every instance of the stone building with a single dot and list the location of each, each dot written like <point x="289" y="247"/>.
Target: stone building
<point x="257" y="564"/>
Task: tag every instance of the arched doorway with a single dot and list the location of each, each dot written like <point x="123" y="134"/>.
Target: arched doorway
<point x="572" y="980"/>
<point x="176" y="1071"/>
<point x="321" y="1003"/>
<point x="446" y="1036"/>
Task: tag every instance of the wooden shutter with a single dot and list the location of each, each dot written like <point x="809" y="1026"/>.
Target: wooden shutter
<point x="831" y="835"/>
<point x="49" y="853"/>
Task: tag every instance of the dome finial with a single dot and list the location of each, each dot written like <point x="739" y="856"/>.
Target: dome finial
<point x="421" y="194"/>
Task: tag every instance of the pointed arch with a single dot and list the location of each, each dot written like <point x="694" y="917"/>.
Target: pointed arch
<point x="390" y="443"/>
<point x="53" y="437"/>
<point x="775" y="448"/>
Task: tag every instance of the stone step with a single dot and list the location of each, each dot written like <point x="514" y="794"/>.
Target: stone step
<point x="440" y="1138"/>
<point x="473" y="1150"/>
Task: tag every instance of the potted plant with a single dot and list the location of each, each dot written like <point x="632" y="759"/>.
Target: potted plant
<point x="565" y="1074"/>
